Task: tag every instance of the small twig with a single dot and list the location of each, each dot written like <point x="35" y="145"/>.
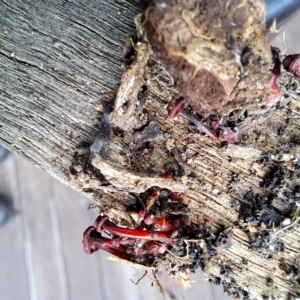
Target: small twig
<point x="158" y="283"/>
<point x="286" y="227"/>
<point x="130" y="263"/>
<point x="143" y="276"/>
<point x="138" y="266"/>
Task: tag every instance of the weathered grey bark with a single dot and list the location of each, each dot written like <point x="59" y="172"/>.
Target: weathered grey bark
<point x="60" y="60"/>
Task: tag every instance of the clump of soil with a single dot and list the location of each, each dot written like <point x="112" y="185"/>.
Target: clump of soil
<point x="277" y="205"/>
<point x="230" y="288"/>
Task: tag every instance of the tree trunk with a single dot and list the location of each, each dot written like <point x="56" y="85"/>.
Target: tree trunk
<point x="60" y="60"/>
<point x="61" y="66"/>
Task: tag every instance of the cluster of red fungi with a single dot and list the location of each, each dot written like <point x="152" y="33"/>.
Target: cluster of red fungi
<point x="143" y="244"/>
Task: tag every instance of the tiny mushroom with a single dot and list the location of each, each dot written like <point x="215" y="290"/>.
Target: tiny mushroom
<point x="230" y="136"/>
<point x="93" y="241"/>
<point x="292" y="64"/>
<point x="275" y="96"/>
<point x="102" y="224"/>
<point x="179" y="108"/>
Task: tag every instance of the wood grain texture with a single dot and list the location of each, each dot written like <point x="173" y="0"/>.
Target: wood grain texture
<point x="58" y="59"/>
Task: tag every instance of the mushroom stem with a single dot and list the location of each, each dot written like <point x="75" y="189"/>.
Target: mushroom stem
<point x="199" y="124"/>
<point x="102" y="224"/>
<point x="229" y="135"/>
<point x="178" y="108"/>
<point x="275" y="96"/>
<point x="93" y="241"/>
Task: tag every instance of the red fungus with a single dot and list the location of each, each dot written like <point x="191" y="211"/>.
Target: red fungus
<point x="142" y="214"/>
<point x="208" y="222"/>
<point x="160" y="223"/>
<point x="230" y="136"/>
<point x="155" y="249"/>
<point x="214" y="124"/>
<point x="292" y="64"/>
<point x="168" y="175"/>
<point x="102" y="224"/>
<point x="175" y="197"/>
<point x="116" y="241"/>
<point x="93" y="241"/>
<point x="275" y="95"/>
<point x="150" y="200"/>
<point x="179" y="108"/>
<point x="154" y="196"/>
<point x="188" y="222"/>
<point x="176" y="223"/>
<point x="149" y="219"/>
